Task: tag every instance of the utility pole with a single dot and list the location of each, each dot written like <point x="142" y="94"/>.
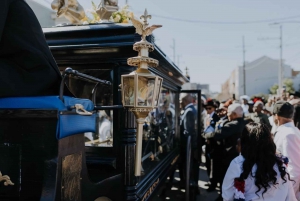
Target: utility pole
<point x="280" y="71"/>
<point x="174" y="50"/>
<point x="280" y="66"/>
<point x="244" y="65"/>
<point x="126" y="2"/>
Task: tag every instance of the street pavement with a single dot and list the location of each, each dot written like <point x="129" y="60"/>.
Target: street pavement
<point x="177" y="194"/>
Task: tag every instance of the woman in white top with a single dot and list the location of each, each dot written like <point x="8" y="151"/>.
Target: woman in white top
<point x="262" y="172"/>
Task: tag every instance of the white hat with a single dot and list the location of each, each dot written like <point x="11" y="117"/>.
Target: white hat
<point x="236" y="108"/>
<point x="245" y="97"/>
<point x="257" y="103"/>
<point x="203" y="99"/>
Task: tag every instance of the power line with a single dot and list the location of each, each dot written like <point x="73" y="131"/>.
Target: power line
<point x="291" y="44"/>
<point x="228" y="22"/>
<point x="292" y="57"/>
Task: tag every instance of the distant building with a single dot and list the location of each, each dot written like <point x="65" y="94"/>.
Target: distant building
<point x="196" y="86"/>
<point x="261" y="75"/>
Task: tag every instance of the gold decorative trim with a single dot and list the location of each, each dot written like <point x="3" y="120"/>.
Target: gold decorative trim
<point x="6" y="180"/>
<point x="140" y="109"/>
<point x="160" y="149"/>
<point x="150" y="190"/>
<point x="143" y="44"/>
<point x="135" y="61"/>
<point x="174" y="160"/>
<point x="71" y="177"/>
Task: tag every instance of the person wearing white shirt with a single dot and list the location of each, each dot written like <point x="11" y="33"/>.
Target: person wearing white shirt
<point x="287" y="140"/>
<point x="262" y="172"/>
<point x="245" y="107"/>
<point x="273" y="124"/>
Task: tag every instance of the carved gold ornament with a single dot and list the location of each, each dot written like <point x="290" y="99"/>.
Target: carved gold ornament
<point x="143" y="44"/>
<point x="174" y="160"/>
<point x="160" y="149"/>
<point x="135" y="61"/>
<point x="142" y="28"/>
<point x="150" y="190"/>
<point x="71" y="9"/>
<point x="159" y="140"/>
<point x="152" y="157"/>
<point x="140" y="110"/>
<point x="6" y="180"/>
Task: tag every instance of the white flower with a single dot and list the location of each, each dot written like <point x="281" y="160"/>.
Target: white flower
<point x="238" y="194"/>
<point x="117" y="18"/>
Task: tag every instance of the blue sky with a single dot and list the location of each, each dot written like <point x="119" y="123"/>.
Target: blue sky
<point x="211" y="50"/>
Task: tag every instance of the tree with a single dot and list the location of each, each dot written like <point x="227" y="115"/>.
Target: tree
<point x="273" y="89"/>
<point x="289" y="86"/>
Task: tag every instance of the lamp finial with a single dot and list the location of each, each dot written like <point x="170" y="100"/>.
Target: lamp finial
<point x="145" y="17"/>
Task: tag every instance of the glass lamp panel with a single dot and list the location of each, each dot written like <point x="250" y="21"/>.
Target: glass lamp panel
<point x="145" y="93"/>
<point x="157" y="90"/>
<point x="128" y="90"/>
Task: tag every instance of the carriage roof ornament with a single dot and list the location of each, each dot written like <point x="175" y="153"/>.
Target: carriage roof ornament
<point x="145" y="17"/>
<point x="143" y="47"/>
<point x="142" y="28"/>
<point x="70" y="9"/>
<point x="106" y="8"/>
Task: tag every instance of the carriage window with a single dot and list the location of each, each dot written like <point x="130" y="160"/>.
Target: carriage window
<point x="104" y="132"/>
<point x="159" y="131"/>
<point x="84" y="89"/>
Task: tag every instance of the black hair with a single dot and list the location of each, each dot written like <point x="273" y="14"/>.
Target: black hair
<point x="297" y="116"/>
<point x="258" y="147"/>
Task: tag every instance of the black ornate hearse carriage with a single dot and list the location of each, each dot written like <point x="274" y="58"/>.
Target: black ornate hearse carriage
<point x="95" y="165"/>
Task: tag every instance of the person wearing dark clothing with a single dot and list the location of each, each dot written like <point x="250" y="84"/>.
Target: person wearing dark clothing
<point x="27" y="67"/>
<point x="217" y="152"/>
<point x="228" y="136"/>
<point x="210" y="123"/>
<point x="258" y="116"/>
<point x="297" y="116"/>
<point x="296" y="103"/>
<point x="187" y="128"/>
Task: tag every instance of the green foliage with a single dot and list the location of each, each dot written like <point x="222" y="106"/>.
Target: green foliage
<point x="289" y="86"/>
<point x="94" y="6"/>
<point x="120" y="16"/>
<point x="273" y="89"/>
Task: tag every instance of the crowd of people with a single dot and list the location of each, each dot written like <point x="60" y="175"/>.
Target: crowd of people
<point x="246" y="140"/>
<point x="251" y="147"/>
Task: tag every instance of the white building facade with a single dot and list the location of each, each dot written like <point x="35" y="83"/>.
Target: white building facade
<point x="261" y="75"/>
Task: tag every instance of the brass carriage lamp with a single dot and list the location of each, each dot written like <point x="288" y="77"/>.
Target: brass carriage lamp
<point x="141" y="88"/>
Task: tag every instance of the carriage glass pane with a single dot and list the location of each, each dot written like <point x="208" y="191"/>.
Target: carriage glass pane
<point x="83" y="89"/>
<point x="104" y="97"/>
<point x="104" y="131"/>
<point x="145" y="91"/>
<point x="158" y="86"/>
<point x="159" y="131"/>
<point x="128" y="90"/>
